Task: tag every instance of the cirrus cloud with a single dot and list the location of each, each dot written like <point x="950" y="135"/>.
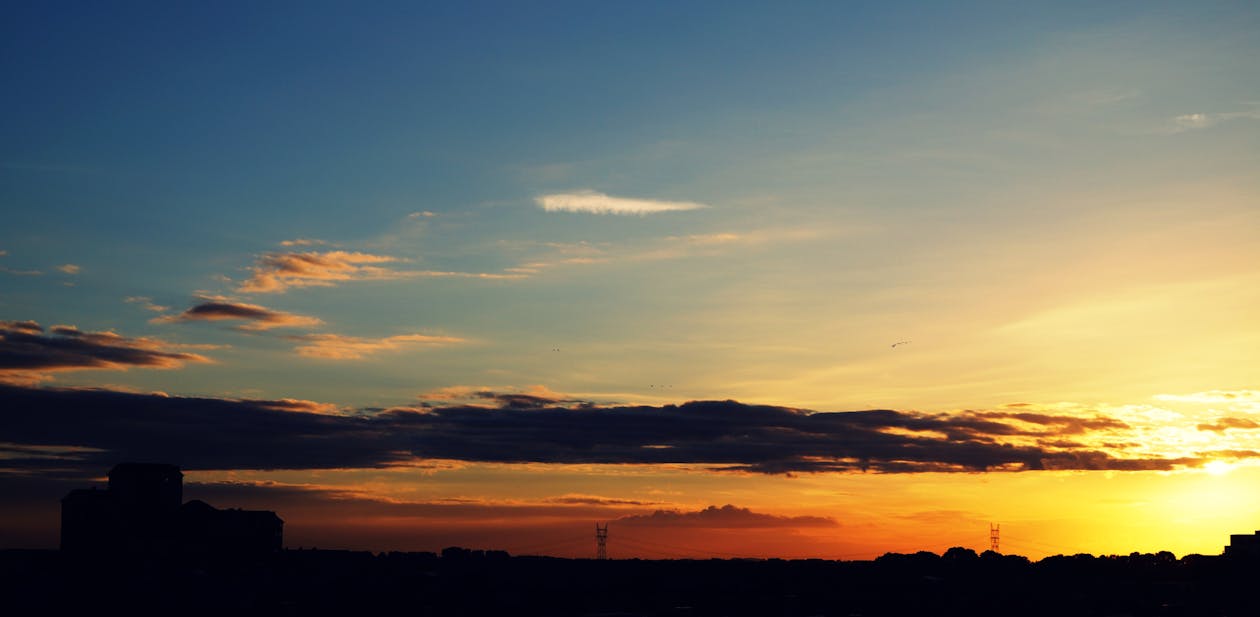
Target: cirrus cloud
<point x="599" y="203"/>
<point x="279" y="272"/>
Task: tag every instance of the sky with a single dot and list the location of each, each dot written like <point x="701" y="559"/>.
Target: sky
<point x="740" y="280"/>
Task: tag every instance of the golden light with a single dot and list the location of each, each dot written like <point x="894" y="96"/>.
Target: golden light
<point x="1218" y="467"/>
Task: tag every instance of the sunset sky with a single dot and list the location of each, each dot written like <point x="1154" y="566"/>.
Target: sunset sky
<point x="754" y="279"/>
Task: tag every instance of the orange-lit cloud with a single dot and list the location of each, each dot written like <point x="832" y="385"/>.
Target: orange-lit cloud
<point x="29" y="353"/>
<point x="1224" y="424"/>
<point x="277" y="272"/>
<point x="341" y="347"/>
<point x="294" y="404"/>
<point x="255" y="317"/>
<point x="69" y="268"/>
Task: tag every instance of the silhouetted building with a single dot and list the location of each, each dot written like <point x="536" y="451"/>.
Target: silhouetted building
<point x="147" y="487"/>
<point x="140" y="513"/>
<point x="204" y="528"/>
<point x="89" y="521"/>
<point x="1243" y="545"/>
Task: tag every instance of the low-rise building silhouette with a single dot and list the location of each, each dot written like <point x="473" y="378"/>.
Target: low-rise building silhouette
<point x="141" y="513"/>
<point x="1243" y="545"/>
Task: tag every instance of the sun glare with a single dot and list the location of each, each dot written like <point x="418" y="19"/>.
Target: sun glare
<point x="1218" y="468"/>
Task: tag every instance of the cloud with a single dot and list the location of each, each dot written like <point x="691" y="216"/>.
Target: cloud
<point x="1187" y="122"/>
<point x="341" y="347"/>
<point x="69" y="268"/>
<point x="1212" y="396"/>
<point x="18" y="272"/>
<point x="1065" y="425"/>
<point x="532" y="396"/>
<point x="217" y="433"/>
<point x="295" y="404"/>
<point x="303" y="242"/>
<point x="725" y="517"/>
<point x="277" y="272"/>
<point x="28" y="353"/>
<point x="599" y="203"/>
<point x="425" y="214"/>
<point x="1223" y="424"/>
<point x="147" y="303"/>
<point x="223" y="309"/>
<point x="595" y="500"/>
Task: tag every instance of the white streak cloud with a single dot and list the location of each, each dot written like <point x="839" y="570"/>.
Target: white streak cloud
<point x="599" y="203"/>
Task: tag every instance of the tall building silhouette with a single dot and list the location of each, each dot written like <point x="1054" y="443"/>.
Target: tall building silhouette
<point x="140" y="513"/>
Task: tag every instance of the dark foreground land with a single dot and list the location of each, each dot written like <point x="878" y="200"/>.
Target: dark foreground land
<point x="462" y="582"/>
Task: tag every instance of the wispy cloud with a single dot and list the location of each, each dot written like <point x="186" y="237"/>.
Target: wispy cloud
<point x="424" y="214"/>
<point x="279" y="272"/>
<point x="28" y="353"/>
<point x="532" y="396"/>
<point x="69" y="268"/>
<point x="597" y="500"/>
<point x="1212" y="396"/>
<point x="225" y="309"/>
<point x="599" y="203"/>
<point x="147" y="303"/>
<point x="341" y="347"/>
<point x="303" y="242"/>
<point x="1186" y="122"/>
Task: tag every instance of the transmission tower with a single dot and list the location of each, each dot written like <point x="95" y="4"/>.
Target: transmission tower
<point x="993" y="537"/>
<point x="601" y="541"/>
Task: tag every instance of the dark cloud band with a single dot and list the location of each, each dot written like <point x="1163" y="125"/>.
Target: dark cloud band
<point x="209" y="433"/>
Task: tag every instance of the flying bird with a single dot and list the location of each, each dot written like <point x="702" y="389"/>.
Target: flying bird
<point x="900" y="343"/>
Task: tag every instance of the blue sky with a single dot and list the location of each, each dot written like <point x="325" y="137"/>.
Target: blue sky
<point x="161" y="146"/>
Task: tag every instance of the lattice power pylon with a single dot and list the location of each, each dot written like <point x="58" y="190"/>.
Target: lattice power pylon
<point x="601" y="541"/>
<point x="993" y="537"/>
